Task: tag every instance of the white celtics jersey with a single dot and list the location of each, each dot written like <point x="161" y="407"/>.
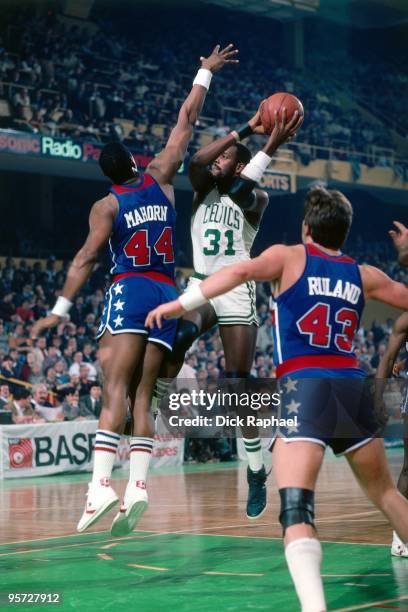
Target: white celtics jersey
<point x="220" y="233"/>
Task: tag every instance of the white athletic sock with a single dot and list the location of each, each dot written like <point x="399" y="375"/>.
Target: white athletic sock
<point x="253" y="449"/>
<point x="106" y="445"/>
<point x="140" y="455"/>
<point x="160" y="390"/>
<point x="304" y="557"/>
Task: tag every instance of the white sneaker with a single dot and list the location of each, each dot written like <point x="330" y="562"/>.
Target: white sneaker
<point x="398" y="548"/>
<point x="99" y="500"/>
<point x="134" y="504"/>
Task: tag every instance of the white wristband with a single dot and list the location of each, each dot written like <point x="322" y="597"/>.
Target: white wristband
<point x="193" y="298"/>
<point x="203" y="77"/>
<point x="62" y="307"/>
<point x="256" y="167"/>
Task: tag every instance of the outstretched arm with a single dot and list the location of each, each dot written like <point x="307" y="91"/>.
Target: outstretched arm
<point x="378" y="286"/>
<point x="268" y="266"/>
<point x="101" y="220"/>
<point x="165" y="165"/>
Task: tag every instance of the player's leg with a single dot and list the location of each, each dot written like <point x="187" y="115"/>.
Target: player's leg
<point x="398" y="548"/>
<point x="141" y="441"/>
<point x="118" y="356"/>
<point x="189" y="328"/>
<point x="369" y="464"/>
<point x="402" y="484"/>
<point x="239" y="342"/>
<point x="296" y="489"/>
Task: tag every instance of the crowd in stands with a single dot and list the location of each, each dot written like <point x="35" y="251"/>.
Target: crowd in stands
<point x="89" y="82"/>
<point x="57" y="376"/>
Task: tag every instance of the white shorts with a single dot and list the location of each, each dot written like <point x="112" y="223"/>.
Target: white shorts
<point x="237" y="307"/>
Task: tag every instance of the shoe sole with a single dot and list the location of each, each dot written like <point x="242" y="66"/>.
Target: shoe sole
<point x="125" y="522"/>
<point x="253" y="518"/>
<point x="99" y="514"/>
<point x="393" y="554"/>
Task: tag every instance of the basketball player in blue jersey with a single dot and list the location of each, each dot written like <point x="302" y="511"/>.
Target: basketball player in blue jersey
<point x="137" y="218"/>
<point x="317" y="312"/>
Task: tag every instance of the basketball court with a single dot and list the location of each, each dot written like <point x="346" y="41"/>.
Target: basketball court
<point x="194" y="547"/>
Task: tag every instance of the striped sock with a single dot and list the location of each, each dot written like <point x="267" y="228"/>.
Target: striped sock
<point x="160" y="390"/>
<point x="106" y="445"/>
<point x="254" y="452"/>
<point x="140" y="454"/>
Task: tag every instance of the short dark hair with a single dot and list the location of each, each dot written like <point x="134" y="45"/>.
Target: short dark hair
<point x="329" y="215"/>
<point x="22" y="393"/>
<point x="243" y="153"/>
<point x="116" y="162"/>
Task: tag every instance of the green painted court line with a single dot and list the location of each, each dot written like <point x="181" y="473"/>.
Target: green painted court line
<point x="194" y="572"/>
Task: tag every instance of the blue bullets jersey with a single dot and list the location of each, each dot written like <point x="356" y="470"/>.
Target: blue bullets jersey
<point x="315" y="320"/>
<point x="143" y="235"/>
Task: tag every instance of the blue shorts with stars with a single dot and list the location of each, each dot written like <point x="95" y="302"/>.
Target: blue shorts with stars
<point x="332" y="408"/>
<point x="127" y="304"/>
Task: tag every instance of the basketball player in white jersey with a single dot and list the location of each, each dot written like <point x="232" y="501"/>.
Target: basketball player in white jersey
<point x="386" y="368"/>
<point x="226" y="213"/>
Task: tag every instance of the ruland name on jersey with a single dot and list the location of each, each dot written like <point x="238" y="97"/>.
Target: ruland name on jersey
<point x="334" y="288"/>
<point x="154" y="212"/>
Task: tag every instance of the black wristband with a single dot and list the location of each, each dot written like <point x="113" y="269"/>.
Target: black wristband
<point x="244" y="131"/>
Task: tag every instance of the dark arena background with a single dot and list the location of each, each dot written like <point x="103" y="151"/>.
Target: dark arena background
<point x="76" y="74"/>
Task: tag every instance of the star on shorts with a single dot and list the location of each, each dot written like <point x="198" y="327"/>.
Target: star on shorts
<point x="291" y="385"/>
<point x="293" y="407"/>
<point x="119" y="305"/>
<point x="118" y="289"/>
<point x="118" y="321"/>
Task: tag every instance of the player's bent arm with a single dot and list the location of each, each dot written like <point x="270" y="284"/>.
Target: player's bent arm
<point x="378" y="286"/>
<point x="199" y="174"/>
<point x="397" y="338"/>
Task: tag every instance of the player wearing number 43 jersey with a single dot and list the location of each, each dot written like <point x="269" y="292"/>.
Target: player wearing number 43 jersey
<point x="320" y="299"/>
<point x="137" y="218"/>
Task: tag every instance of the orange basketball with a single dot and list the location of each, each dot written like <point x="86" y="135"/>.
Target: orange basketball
<point x="277" y="102"/>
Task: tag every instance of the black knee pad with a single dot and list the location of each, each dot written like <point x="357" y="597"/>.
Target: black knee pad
<point x="297" y="506"/>
<point x="187" y="332"/>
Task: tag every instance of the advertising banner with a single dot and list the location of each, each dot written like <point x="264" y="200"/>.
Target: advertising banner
<point x="51" y="448"/>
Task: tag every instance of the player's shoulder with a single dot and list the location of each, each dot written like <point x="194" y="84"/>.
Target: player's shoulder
<point x="105" y="206"/>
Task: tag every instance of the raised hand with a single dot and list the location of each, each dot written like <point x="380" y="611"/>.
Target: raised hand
<point x="218" y="59"/>
<point x="283" y="130"/>
<point x="255" y="122"/>
<point x="400" y="240"/>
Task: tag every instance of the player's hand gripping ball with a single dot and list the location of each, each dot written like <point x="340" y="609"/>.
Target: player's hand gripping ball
<point x="276" y="103"/>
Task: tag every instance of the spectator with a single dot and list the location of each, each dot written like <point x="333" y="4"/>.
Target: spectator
<point x="22" y="409"/>
<point x="5" y="396"/>
<point x="72" y="410"/>
<point x="93" y="401"/>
